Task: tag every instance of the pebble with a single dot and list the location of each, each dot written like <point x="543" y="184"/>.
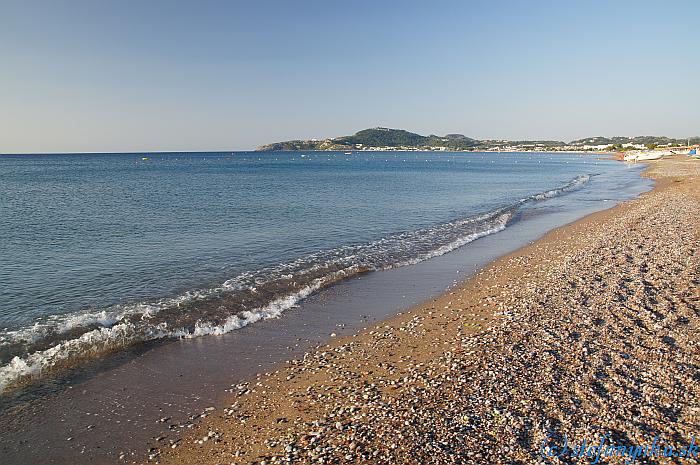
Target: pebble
<point x="592" y="332"/>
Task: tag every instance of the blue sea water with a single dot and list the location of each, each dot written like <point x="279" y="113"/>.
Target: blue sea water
<point x="104" y="251"/>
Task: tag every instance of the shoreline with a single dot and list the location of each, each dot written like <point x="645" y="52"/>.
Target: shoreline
<point x="130" y="399"/>
<point x="57" y="343"/>
<point x="125" y="391"/>
<point x="382" y="365"/>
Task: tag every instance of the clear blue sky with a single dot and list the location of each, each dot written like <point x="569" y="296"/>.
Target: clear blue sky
<point x="149" y="75"/>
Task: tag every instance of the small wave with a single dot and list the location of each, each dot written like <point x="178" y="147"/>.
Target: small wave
<point x="574" y="184"/>
<point x="61" y="341"/>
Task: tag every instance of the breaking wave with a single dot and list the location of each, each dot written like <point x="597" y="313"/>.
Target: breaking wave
<point x="61" y="341"/>
<point x="574" y="184"/>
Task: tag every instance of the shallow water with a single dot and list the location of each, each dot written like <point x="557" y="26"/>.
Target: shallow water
<point x="102" y="252"/>
<point x="112" y="405"/>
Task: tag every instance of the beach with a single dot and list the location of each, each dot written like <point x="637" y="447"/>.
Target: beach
<point x="590" y="333"/>
<point x="109" y="381"/>
<point x="257" y="233"/>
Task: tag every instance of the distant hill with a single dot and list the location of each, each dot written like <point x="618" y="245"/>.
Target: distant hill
<point x="639" y="140"/>
<point x="386" y="138"/>
<point x="377" y="137"/>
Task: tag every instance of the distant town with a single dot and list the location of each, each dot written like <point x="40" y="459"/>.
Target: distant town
<point x="385" y="139"/>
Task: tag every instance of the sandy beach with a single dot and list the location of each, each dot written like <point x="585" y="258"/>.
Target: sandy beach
<point x="257" y="233"/>
<point x="588" y="333"/>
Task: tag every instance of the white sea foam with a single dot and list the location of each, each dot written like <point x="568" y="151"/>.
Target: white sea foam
<point x="574" y="184"/>
<point x="123" y="325"/>
<point x="499" y="225"/>
<point x="101" y="340"/>
<point x="273" y="310"/>
<point x="106" y="318"/>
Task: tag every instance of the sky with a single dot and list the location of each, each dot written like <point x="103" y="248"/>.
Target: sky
<point x="104" y="76"/>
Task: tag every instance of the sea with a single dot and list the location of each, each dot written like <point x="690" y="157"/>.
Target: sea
<point x="105" y="252"/>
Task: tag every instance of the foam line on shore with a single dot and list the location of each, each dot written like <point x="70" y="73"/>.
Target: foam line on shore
<point x="63" y="340"/>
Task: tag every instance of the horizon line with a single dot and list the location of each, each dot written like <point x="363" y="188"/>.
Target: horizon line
<point x="161" y="151"/>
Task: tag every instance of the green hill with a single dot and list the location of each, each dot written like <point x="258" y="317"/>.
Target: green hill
<point x="368" y="139"/>
<point x="377" y="137"/>
<point x="384" y="137"/>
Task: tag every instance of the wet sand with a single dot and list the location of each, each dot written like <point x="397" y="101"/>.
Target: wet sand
<point x="589" y="332"/>
<point x="121" y="405"/>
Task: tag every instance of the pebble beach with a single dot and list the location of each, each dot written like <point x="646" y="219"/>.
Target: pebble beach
<point x="590" y="333"/>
